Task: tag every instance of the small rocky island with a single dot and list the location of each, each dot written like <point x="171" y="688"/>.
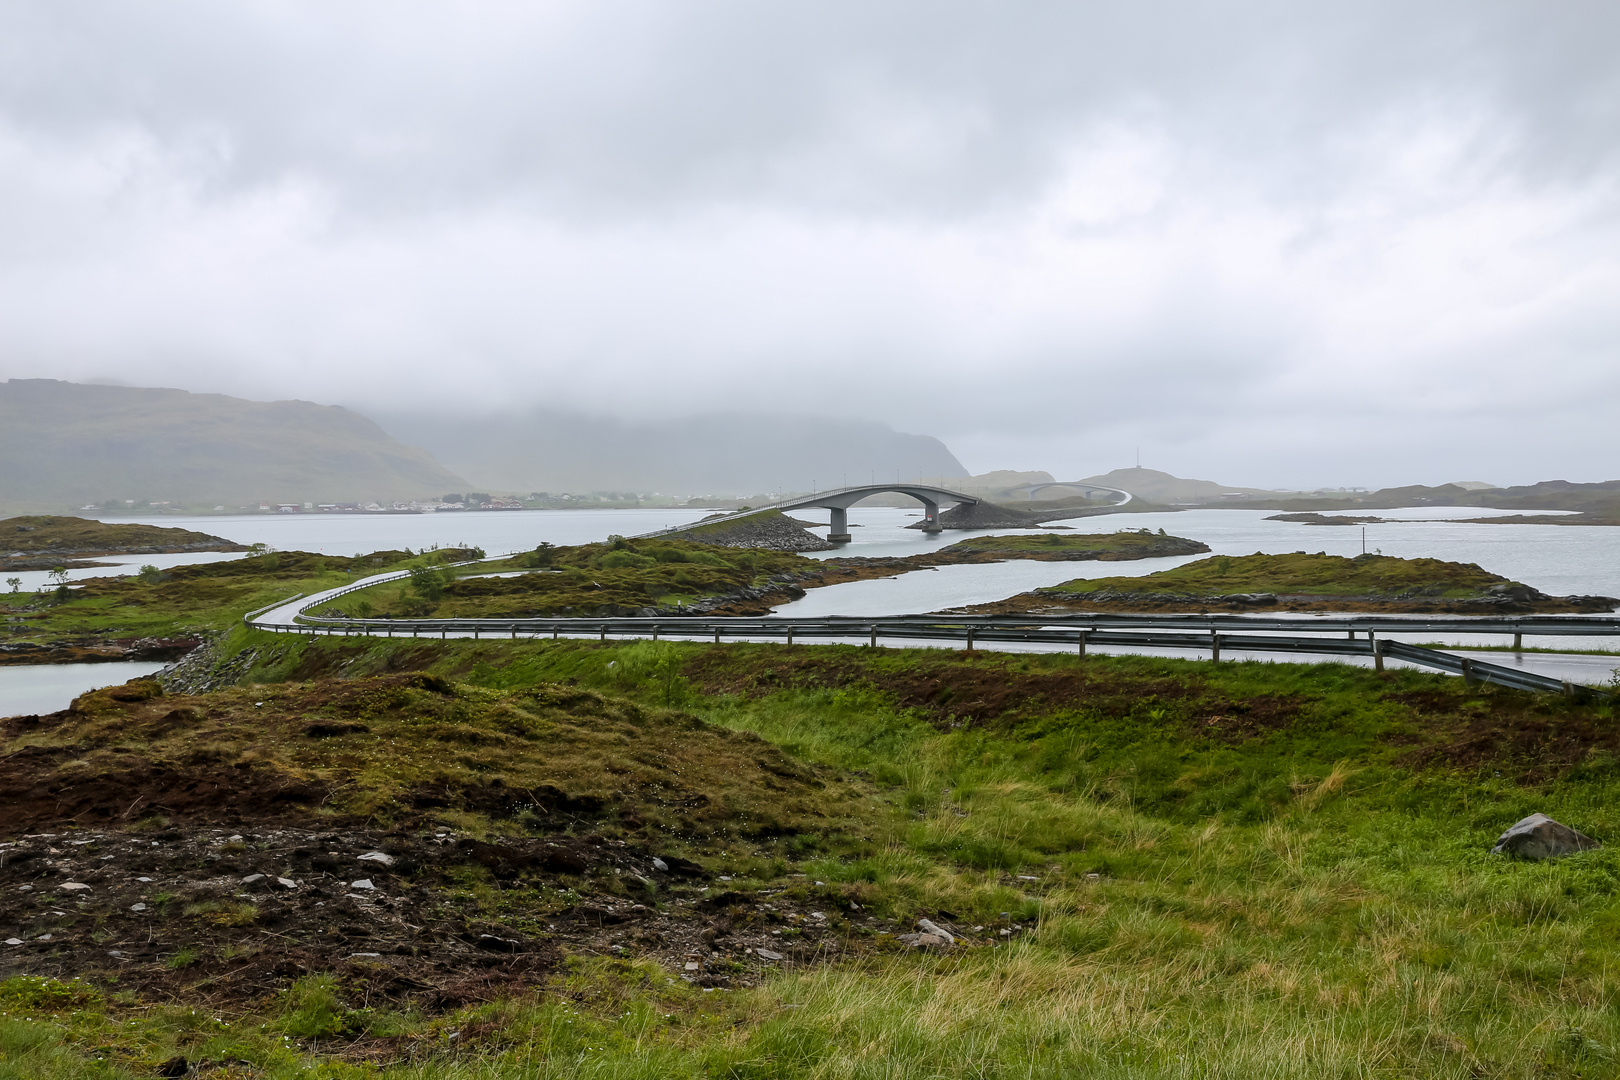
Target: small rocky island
<point x="43" y="542"/>
<point x="1301" y="582"/>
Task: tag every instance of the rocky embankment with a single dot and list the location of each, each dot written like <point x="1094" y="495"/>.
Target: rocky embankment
<point x="96" y="650"/>
<point x="770" y="531"/>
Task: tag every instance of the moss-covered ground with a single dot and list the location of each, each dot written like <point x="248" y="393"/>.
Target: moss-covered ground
<point x="1203" y="870"/>
<point x="1371" y="576"/>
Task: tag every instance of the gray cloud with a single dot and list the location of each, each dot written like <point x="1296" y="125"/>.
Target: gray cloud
<point x="1270" y="244"/>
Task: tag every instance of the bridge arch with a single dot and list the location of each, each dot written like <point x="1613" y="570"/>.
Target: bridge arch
<point x="838" y="501"/>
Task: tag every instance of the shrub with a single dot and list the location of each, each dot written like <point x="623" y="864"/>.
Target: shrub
<point x="427" y="582"/>
<point x="617" y="560"/>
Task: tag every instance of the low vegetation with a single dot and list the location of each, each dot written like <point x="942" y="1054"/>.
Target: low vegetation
<point x="1155" y="868"/>
<point x="162" y="614"/>
<point x="42" y="542"/>
<point x="1306" y="582"/>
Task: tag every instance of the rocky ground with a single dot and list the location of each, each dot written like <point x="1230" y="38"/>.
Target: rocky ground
<point x="437" y="917"/>
<point x="426" y="842"/>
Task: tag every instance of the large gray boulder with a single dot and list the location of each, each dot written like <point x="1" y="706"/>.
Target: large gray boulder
<point x="1540" y="837"/>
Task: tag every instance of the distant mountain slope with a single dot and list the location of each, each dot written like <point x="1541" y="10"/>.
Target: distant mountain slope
<point x="719" y="454"/>
<point x="65" y="444"/>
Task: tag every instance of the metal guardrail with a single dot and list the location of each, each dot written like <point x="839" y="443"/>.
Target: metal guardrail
<point x="1199" y="633"/>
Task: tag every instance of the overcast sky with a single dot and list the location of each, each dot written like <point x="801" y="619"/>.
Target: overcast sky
<point x="1275" y="244"/>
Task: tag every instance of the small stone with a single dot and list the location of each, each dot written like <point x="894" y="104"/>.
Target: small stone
<point x="355" y="955"/>
<point x="25" y="888"/>
<point x="1027" y="877"/>
<point x="74" y="886"/>
<point x="286" y="883"/>
<point x="14" y="941"/>
<point x="363" y="883"/>
<point x="928" y="926"/>
<point x="234" y="839"/>
<point x="766" y="954"/>
<point x="660" y="864"/>
<point x="693" y="965"/>
<point x="1540" y="837"/>
<point x="1093" y="877"/>
<point x="143" y="879"/>
<point x="252" y="879"/>
<point x="491" y="943"/>
<point x="378" y="857"/>
<point x="137" y="907"/>
<point x="114" y="952"/>
<point x="44" y="937"/>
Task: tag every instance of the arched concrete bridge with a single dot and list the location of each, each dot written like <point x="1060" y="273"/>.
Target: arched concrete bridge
<point x="838" y="502"/>
<point x="1076" y="485"/>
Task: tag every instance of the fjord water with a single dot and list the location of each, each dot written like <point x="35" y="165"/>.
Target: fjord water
<point x="44" y="688"/>
<point x="1557" y="559"/>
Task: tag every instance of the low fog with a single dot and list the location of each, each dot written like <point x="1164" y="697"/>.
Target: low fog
<point x="1273" y="245"/>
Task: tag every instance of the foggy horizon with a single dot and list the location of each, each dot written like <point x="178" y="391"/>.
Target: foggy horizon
<point x="1269" y="247"/>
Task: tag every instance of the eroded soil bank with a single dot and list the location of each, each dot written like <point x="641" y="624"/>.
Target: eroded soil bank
<point x="429" y="842"/>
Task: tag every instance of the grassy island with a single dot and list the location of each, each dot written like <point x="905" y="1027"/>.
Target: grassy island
<point x="468" y="860"/>
<point x="42" y="542"/>
<point x="1302" y="582"/>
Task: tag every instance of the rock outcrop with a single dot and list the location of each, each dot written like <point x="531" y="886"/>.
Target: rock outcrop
<point x="1540" y="837"/>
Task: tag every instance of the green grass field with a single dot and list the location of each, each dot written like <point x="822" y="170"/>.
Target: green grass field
<point x="1242" y="870"/>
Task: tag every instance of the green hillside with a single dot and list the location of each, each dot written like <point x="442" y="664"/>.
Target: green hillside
<point x="65" y="445"/>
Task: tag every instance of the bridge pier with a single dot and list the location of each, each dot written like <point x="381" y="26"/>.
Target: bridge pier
<point x="839" y="533"/>
<point x="930" y="522"/>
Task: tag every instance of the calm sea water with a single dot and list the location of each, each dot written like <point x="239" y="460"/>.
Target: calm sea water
<point x="44" y="688"/>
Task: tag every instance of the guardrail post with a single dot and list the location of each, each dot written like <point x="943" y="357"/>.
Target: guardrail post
<point x="872" y="643"/>
<point x="1518" y="641"/>
<point x="1569" y="690"/>
<point x="1377" y="651"/>
<point x="717" y="635"/>
<point x="790" y="635"/>
<point x="970" y="639"/>
<point x="514" y="633"/>
<point x="555" y="631"/>
<point x="603" y="636"/>
<point x="655" y="631"/>
<point x="1214" y="647"/>
<point x="442" y="633"/>
<point x="1080" y="643"/>
<point x="475" y="633"/>
<point x="1468" y="672"/>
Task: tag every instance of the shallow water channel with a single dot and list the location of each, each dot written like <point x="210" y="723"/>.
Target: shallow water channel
<point x="45" y="688"/>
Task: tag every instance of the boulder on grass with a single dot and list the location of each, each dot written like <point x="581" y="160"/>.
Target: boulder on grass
<point x="1540" y="837"/>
